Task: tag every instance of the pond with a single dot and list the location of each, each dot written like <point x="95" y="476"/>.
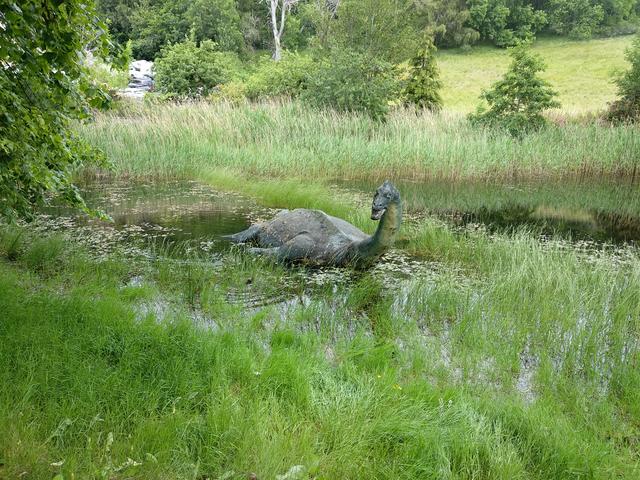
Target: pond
<point x="184" y="219"/>
<point x="148" y="215"/>
<point x="585" y="211"/>
<point x="149" y="218"/>
<point x="187" y="221"/>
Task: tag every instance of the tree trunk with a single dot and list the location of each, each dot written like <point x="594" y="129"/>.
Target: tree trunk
<point x="277" y="51"/>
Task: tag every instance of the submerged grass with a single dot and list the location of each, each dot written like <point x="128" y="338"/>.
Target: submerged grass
<point x="526" y="366"/>
<point x="292" y="142"/>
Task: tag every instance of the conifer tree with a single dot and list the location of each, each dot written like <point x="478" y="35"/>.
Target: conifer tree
<point x="423" y="87"/>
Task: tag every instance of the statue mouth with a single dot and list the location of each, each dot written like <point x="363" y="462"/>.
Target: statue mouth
<point x="377" y="214"/>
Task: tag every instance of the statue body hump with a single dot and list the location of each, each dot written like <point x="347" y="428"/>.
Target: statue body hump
<point x="312" y="236"/>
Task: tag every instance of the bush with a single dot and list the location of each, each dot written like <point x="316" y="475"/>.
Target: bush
<point x="517" y="101"/>
<point x="576" y="18"/>
<point x="287" y="77"/>
<point x="353" y="82"/>
<point x="108" y="76"/>
<point x="506" y="22"/>
<point x="231" y="92"/>
<point x="627" y="107"/>
<point x="186" y="70"/>
<point x="423" y="87"/>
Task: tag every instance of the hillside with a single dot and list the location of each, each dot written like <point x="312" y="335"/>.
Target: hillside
<point x="579" y="70"/>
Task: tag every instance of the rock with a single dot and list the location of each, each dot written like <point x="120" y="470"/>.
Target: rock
<point x="141" y="79"/>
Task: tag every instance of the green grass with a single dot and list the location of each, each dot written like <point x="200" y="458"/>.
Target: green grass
<point x="355" y="383"/>
<point x="290" y="141"/>
<point x="580" y="71"/>
<point x="512" y="359"/>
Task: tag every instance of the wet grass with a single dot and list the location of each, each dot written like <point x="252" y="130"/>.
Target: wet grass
<point x="515" y="361"/>
<point x="288" y="141"/>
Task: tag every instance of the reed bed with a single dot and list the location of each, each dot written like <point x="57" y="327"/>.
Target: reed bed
<point x="287" y="140"/>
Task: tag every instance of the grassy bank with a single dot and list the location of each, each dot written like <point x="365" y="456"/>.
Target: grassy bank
<point x="289" y="141"/>
<point x="445" y="377"/>
<point x="580" y="71"/>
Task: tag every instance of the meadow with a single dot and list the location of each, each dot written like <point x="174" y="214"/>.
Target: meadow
<point x="495" y="356"/>
<point x="580" y="71"/>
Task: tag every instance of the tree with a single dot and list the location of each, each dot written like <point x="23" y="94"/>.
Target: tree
<point x="517" y="101"/>
<point x="161" y="22"/>
<point x="627" y="107"/>
<point x="423" y="87"/>
<point x="506" y="22"/>
<point x="216" y="20"/>
<point x="382" y="29"/>
<point x="279" y="8"/>
<point x="350" y="81"/>
<point x="448" y="19"/>
<point x="576" y="18"/>
<point x="188" y="70"/>
<point x="117" y="14"/>
<point x="44" y="88"/>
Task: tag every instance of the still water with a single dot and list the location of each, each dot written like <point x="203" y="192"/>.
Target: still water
<point x="593" y="212"/>
<point x="156" y="214"/>
<point x="197" y="217"/>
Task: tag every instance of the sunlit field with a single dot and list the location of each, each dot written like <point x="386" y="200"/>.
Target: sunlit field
<point x="580" y="71"/>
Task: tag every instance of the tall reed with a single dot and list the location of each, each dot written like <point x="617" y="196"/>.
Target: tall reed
<point x="286" y="140"/>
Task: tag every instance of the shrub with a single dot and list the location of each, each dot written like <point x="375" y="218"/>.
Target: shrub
<point x="423" y="87"/>
<point x="505" y="22"/>
<point x="353" y="82"/>
<point x="188" y="70"/>
<point x="627" y="107"/>
<point x="576" y="18"/>
<point x="286" y="77"/>
<point x="517" y="101"/>
<point x="232" y="92"/>
<point x="108" y="76"/>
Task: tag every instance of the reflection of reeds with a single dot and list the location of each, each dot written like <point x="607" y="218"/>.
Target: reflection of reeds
<point x="287" y="140"/>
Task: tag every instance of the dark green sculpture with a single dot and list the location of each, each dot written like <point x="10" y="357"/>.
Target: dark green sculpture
<point x="312" y="236"/>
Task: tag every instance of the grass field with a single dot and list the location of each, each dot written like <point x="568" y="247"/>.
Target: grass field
<point x="580" y="71"/>
<point x="498" y="357"/>
<point x="441" y="377"/>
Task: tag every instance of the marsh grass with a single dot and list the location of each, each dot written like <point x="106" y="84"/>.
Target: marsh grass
<point x="525" y="367"/>
<point x="287" y="141"/>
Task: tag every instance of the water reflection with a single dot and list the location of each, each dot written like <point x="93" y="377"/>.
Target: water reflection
<point x="179" y="212"/>
<point x="600" y="212"/>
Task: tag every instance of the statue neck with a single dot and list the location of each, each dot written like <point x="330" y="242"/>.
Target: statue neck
<point x="385" y="234"/>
